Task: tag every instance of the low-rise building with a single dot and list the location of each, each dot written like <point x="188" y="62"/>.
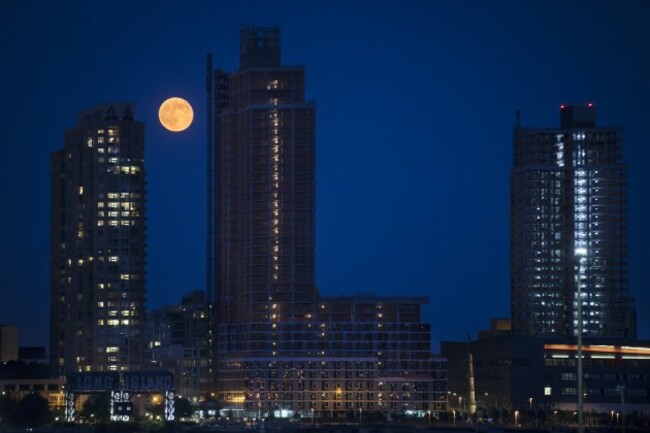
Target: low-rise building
<point x="354" y="354"/>
<point x="519" y="373"/>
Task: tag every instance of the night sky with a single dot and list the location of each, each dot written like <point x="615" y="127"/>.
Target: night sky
<point x="415" y="113"/>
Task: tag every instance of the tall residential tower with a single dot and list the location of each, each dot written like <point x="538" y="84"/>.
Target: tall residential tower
<point x="97" y="270"/>
<point x="281" y="348"/>
<point x="261" y="203"/>
<point x="569" y="229"/>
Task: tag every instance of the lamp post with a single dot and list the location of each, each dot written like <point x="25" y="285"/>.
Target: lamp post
<point x="516" y="418"/>
<point x="621" y="389"/>
<point x="530" y="401"/>
<point x="312" y="415"/>
<point x="454" y="413"/>
<point x="429" y="413"/>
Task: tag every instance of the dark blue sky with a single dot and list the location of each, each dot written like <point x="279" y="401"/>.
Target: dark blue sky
<point x="415" y="110"/>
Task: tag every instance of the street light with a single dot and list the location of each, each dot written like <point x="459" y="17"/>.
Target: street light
<point x="454" y="413"/>
<point x="530" y="400"/>
<point x="516" y="418"/>
<point x="429" y="413"/>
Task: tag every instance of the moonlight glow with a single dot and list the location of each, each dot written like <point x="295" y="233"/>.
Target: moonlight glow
<point x="176" y="114"/>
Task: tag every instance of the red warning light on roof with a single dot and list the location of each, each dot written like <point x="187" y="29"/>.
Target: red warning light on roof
<point x="590" y="105"/>
<point x="562" y="107"/>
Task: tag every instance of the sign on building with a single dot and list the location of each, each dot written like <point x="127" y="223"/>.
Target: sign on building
<point x="93" y="382"/>
<point x="148" y="381"/>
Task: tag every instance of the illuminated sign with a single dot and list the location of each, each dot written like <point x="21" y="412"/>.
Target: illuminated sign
<point x="148" y="381"/>
<point x="93" y="382"/>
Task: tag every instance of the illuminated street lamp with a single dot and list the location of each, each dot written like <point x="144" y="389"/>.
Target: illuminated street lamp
<point x="454" y="413"/>
<point x="429" y="413"/>
<point x="516" y="418"/>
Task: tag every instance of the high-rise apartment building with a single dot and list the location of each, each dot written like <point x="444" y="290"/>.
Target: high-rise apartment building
<point x="569" y="229"/>
<point x="280" y="348"/>
<point x="261" y="204"/>
<point x="180" y="340"/>
<point x="97" y="274"/>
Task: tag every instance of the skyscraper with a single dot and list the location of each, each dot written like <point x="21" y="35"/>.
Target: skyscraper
<point x="281" y="348"/>
<point x="97" y="274"/>
<point x="261" y="191"/>
<point x="569" y="229"/>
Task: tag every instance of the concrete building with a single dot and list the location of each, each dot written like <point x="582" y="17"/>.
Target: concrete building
<point x="97" y="276"/>
<point x="180" y="340"/>
<point x="281" y="348"/>
<point x="8" y="343"/>
<point x="569" y="229"/>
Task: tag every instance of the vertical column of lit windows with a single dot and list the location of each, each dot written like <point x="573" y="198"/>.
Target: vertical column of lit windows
<point x="580" y="229"/>
<point x="275" y="191"/>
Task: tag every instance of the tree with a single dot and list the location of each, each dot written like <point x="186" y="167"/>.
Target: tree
<point x="183" y="408"/>
<point x="97" y="408"/>
<point x="8" y="409"/>
<point x="33" y="411"/>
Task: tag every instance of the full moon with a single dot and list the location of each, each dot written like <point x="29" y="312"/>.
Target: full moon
<point x="176" y="114"/>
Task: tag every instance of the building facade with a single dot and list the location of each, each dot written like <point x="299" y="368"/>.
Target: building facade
<point x="281" y="348"/>
<point x="538" y="374"/>
<point x="569" y="230"/>
<point x="179" y="339"/>
<point x="353" y="354"/>
<point x="97" y="276"/>
<point x="261" y="186"/>
<point x="8" y="343"/>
